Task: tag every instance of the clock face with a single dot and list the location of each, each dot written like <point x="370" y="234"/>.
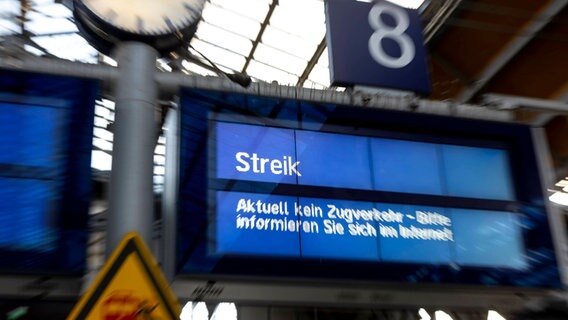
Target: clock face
<point x="147" y="17"/>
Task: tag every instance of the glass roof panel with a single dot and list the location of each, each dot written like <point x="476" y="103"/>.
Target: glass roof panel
<point x="304" y="18"/>
<point x="320" y="75"/>
<point x="194" y="68"/>
<point x="231" y="21"/>
<point x="231" y="41"/>
<point x="254" y="9"/>
<point x="52" y="18"/>
<point x="69" y="46"/>
<point x="102" y="144"/>
<point x="269" y="74"/>
<point x="320" y="72"/>
<point x="288" y="42"/>
<point x="219" y="55"/>
<point x="8" y="14"/>
<point x="279" y="59"/>
<point x="101" y="160"/>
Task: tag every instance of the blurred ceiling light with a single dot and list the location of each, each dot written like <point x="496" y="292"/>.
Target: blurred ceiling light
<point x="494" y="315"/>
<point x="194" y="311"/>
<point x="560" y="196"/>
<point x="441" y="315"/>
<point x="225" y="311"/>
<point x="101" y="160"/>
<point x="424" y="314"/>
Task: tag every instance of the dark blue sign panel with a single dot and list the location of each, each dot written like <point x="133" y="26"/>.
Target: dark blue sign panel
<point x="377" y="44"/>
<point x="273" y="188"/>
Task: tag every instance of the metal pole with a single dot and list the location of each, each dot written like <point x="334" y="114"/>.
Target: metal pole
<point x="170" y="195"/>
<point x="131" y="198"/>
<point x="555" y="215"/>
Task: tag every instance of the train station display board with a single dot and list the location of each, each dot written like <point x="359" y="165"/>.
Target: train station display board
<point x="279" y="188"/>
<point x="46" y="128"/>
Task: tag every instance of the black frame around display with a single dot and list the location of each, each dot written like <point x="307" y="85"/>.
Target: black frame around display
<point x="199" y="107"/>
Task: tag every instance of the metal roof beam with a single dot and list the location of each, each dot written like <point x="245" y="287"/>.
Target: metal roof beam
<point x="256" y="41"/>
<point x="312" y="63"/>
<point x="506" y="55"/>
<point x="170" y="83"/>
<point x="439" y="19"/>
<point x="448" y="66"/>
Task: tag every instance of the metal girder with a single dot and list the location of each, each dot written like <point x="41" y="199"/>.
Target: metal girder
<point x="513" y="102"/>
<point x="448" y="66"/>
<point x="528" y="33"/>
<point x="564" y="97"/>
<point x="439" y="19"/>
<point x="313" y="61"/>
<point x="259" y="35"/>
<point x="170" y="83"/>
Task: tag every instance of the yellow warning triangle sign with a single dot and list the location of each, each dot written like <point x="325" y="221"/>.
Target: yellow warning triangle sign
<point x="130" y="286"/>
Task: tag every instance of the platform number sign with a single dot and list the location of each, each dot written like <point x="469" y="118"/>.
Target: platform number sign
<point x="382" y="31"/>
<point x="376" y="44"/>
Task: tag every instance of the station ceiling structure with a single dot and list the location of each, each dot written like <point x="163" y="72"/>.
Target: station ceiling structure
<point x="517" y="49"/>
<point x="507" y="47"/>
<point x="514" y="48"/>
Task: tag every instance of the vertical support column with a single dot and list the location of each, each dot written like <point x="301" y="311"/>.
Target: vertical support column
<point x="555" y="215"/>
<point x="131" y="198"/>
<point x="170" y="195"/>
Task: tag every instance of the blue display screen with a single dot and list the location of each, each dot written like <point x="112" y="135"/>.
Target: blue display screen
<point x="257" y="153"/>
<point x="406" y="166"/>
<point x="343" y="229"/>
<point x="19" y="132"/>
<point x="268" y="154"/>
<point x="259" y="224"/>
<point x="265" y="236"/>
<point x="46" y="125"/>
<point x="284" y="189"/>
<point x="333" y="160"/>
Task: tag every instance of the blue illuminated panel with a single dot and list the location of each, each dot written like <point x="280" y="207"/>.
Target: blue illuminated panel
<point x="406" y="166"/>
<point x="416" y="234"/>
<point x="46" y="125"/>
<point x="476" y="182"/>
<point x="23" y="208"/>
<point x="477" y="172"/>
<point x="256" y="224"/>
<point x="338" y="229"/>
<point x="255" y="153"/>
<point x="274" y="225"/>
<point x="355" y="230"/>
<point x="19" y="132"/>
<point x="488" y="238"/>
<point x="333" y="160"/>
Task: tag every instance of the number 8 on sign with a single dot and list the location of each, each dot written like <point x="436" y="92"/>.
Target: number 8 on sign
<point x="396" y="33"/>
